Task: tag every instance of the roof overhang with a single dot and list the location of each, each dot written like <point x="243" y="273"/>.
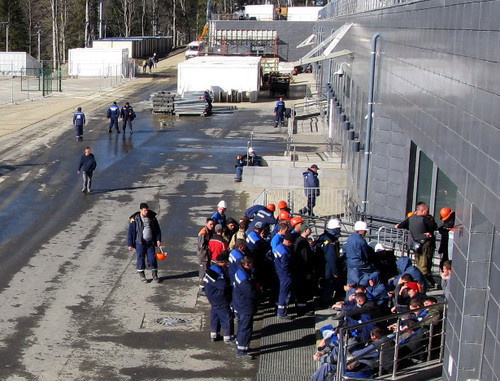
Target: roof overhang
<point x="339" y="53"/>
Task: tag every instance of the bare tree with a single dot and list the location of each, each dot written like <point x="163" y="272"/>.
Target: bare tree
<point x="55" y="33"/>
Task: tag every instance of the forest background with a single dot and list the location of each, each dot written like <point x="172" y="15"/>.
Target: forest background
<point x="65" y="24"/>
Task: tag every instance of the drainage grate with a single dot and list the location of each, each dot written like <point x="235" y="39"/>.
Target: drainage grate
<point x="172" y="322"/>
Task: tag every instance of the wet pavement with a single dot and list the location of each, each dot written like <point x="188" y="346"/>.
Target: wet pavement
<point x="73" y="306"/>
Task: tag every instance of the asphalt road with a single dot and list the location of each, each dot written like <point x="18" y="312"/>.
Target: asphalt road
<point x="72" y="304"/>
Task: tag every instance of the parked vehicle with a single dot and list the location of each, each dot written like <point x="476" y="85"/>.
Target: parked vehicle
<point x="194" y="49"/>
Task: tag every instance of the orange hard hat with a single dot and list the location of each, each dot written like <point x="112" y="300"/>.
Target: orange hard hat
<point x="282" y="205"/>
<point x="161" y="256"/>
<point x="445" y="213"/>
<point x="271" y="207"/>
<point x="284" y="215"/>
<point x="296" y="220"/>
<point x="409" y="214"/>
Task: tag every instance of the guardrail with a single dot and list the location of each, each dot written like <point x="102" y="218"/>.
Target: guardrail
<point x="350" y="7"/>
<point x="426" y="334"/>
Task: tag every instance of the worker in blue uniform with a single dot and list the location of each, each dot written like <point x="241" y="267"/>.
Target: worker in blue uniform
<point x="79" y="122"/>
<point x="245" y="306"/>
<point x="279" y="113"/>
<point x="218" y="291"/>
<point x="113" y="115"/>
<point x="283" y="267"/>
<point x="235" y="257"/>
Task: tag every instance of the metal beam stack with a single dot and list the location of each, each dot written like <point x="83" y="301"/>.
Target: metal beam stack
<point x="193" y="103"/>
<point x="163" y="102"/>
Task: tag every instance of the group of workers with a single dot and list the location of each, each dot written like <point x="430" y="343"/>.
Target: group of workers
<point x="126" y="113"/>
<point x="271" y="252"/>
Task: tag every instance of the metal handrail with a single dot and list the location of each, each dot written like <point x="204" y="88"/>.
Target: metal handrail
<point x="344" y="334"/>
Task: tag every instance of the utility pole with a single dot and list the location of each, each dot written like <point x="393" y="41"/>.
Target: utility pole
<point x="38" y="33"/>
<point x="100" y="19"/>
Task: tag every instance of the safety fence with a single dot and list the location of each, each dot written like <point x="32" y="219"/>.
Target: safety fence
<point x="331" y="201"/>
<point x="415" y="345"/>
<point x="350" y="7"/>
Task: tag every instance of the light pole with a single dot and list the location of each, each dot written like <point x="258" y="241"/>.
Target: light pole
<point x="38" y="28"/>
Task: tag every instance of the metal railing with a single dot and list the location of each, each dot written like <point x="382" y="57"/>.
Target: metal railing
<point x="427" y="334"/>
<point x="329" y="203"/>
<point x="350" y="7"/>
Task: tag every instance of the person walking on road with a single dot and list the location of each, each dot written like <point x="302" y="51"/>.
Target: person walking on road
<point x="113" y="115"/>
<point x="79" y="122"/>
<point x="311" y="189"/>
<point x="128" y="115"/>
<point x="86" y="168"/>
<point x="144" y="235"/>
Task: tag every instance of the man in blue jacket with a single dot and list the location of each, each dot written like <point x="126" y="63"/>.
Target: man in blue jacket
<point x="79" y="122"/>
<point x="86" y="168"/>
<point x="311" y="189"/>
<point x="143" y="235"/>
<point x="218" y="291"/>
<point x="279" y="113"/>
<point x="283" y="266"/>
<point x="245" y="305"/>
<point x="357" y="251"/>
<point x="113" y="115"/>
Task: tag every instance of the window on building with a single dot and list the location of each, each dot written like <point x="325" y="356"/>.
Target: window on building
<point x="446" y="193"/>
<point x="428" y="183"/>
<point x="424" y="180"/>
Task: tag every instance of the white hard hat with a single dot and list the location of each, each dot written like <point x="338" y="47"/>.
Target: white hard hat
<point x="379" y="247"/>
<point x="360" y="225"/>
<point x="334" y="223"/>
<point x="250" y="150"/>
<point x="222" y="204"/>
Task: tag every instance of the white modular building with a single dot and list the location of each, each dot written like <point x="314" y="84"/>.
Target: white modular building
<point x="264" y="12"/>
<point x="138" y="47"/>
<point x="219" y="73"/>
<point x="93" y="62"/>
<point x="18" y="63"/>
<point x="303" y="13"/>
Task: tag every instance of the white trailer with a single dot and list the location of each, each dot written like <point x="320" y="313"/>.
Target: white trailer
<point x="18" y="63"/>
<point x="303" y="13"/>
<point x="93" y="62"/>
<point x="220" y="74"/>
<point x="264" y="12"/>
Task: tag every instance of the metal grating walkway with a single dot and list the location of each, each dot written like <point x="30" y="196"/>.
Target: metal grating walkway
<point x="286" y="347"/>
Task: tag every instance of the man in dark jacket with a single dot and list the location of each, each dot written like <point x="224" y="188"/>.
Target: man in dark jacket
<point x="245" y="305"/>
<point x="303" y="258"/>
<point x="311" y="189"/>
<point x="422" y="227"/>
<point x="127" y="114"/>
<point x="144" y="235"/>
<point x="218" y="291"/>
<point x="86" y="168"/>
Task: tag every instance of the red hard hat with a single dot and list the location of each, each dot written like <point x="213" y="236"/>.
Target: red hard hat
<point x="271" y="207"/>
<point x="445" y="213"/>
<point x="282" y="205"/>
<point x="296" y="220"/>
<point x="284" y="215"/>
